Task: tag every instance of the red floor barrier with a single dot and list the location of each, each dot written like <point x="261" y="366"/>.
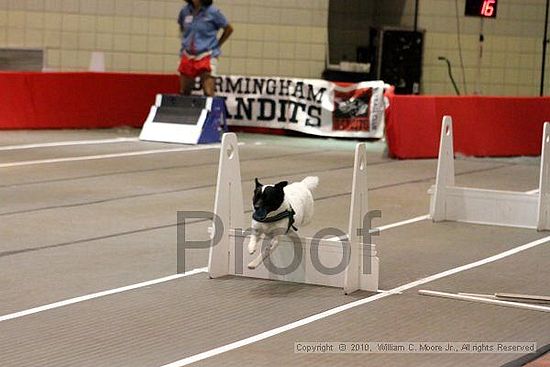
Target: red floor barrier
<point x="79" y="100"/>
<point x="482" y="126"/>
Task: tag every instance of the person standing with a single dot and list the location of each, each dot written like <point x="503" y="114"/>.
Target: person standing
<point x="200" y="22"/>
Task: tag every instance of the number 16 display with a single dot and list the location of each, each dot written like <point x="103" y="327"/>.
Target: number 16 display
<point x="481" y="8"/>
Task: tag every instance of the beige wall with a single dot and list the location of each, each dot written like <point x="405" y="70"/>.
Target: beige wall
<point x="285" y="37"/>
<point x="513" y="45"/>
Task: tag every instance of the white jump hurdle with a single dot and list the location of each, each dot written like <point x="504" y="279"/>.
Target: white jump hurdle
<point x="493" y="207"/>
<point x="229" y="256"/>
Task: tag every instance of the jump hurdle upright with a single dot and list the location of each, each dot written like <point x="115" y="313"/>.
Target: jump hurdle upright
<point x="343" y="260"/>
<point x="493" y="207"/>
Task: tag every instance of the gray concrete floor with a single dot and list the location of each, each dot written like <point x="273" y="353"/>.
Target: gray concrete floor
<point x="74" y="228"/>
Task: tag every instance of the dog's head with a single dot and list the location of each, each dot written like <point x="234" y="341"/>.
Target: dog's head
<point x="267" y="198"/>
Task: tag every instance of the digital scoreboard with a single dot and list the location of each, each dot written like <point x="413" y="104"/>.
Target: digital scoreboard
<point x="481" y="8"/>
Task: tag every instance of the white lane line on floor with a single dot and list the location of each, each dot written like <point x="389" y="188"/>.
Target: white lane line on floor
<point x="88" y="297"/>
<point x="535" y="191"/>
<point x="348" y="306"/>
<point x="107" y="156"/>
<point x="67" y="143"/>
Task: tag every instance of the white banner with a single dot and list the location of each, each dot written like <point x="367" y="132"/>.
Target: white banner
<point x="316" y="107"/>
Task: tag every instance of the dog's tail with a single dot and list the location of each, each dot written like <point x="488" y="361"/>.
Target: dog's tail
<point x="311" y="182"/>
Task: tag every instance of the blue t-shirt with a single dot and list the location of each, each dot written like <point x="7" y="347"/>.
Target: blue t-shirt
<point x="200" y="32"/>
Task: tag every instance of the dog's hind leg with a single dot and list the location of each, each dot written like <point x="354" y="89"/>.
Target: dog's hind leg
<point x="273" y="244"/>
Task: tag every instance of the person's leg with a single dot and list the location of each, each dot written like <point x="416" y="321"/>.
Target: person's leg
<point x="208" y="84"/>
<point x="208" y="66"/>
<point x="186" y="85"/>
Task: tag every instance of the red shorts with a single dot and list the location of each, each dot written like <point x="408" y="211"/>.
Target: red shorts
<point x="193" y="67"/>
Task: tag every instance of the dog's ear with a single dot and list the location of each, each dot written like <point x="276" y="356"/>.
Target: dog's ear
<point x="281" y="184"/>
<point x="258" y="184"/>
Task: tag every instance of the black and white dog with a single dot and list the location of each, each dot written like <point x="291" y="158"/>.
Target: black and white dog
<point x="277" y="209"/>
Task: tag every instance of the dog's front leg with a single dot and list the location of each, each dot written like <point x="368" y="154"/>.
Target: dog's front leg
<point x="253" y="243"/>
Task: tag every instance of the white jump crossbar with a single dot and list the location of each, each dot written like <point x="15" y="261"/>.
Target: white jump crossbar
<point x="493" y="207"/>
<point x="228" y="255"/>
<point x="496" y="302"/>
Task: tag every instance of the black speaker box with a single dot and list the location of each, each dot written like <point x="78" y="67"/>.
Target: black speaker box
<point x="397" y="58"/>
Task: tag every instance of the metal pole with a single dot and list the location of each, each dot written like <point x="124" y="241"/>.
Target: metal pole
<point x="416" y="15"/>
<point x="480" y="59"/>
<point x="544" y="49"/>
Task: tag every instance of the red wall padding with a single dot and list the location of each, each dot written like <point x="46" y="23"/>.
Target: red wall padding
<point x="482" y="126"/>
<point x="79" y="100"/>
